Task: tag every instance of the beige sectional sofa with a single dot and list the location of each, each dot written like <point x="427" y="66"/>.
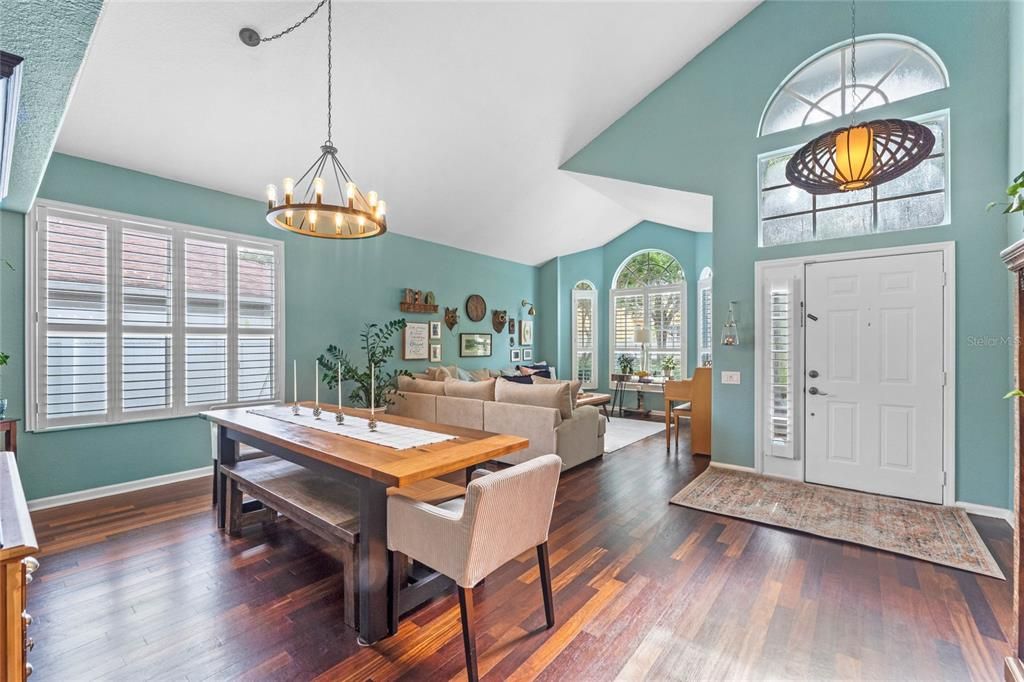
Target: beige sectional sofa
<point x="544" y="414"/>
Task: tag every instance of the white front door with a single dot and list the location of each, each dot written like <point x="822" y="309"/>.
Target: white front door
<point x="874" y="375"/>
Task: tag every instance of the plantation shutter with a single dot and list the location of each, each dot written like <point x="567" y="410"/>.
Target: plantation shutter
<point x="783" y="331"/>
<point x="705" y="330"/>
<point x="584" y="344"/>
<point x="75" y="276"/>
<point x="627" y="315"/>
<point x="143" y="320"/>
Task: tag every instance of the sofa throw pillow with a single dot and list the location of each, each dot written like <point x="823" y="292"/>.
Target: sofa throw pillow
<point x="534" y="371"/>
<point x="410" y="385"/>
<point x="440" y="373"/>
<point x="478" y="390"/>
<point x="574" y="386"/>
<point x="555" y="395"/>
<point x="463" y="375"/>
<point x="517" y="378"/>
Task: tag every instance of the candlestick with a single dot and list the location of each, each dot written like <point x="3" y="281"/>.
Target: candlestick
<point x="339" y="417"/>
<point x="316" y="394"/>
<point x="295" y="387"/>
<point x="373" y="398"/>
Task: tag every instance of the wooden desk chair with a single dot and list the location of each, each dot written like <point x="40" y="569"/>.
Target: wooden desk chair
<point x="503" y="515"/>
<point x="681" y="391"/>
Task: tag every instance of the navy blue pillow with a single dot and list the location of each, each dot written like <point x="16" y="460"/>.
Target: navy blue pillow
<point x="519" y="379"/>
<point x="537" y="370"/>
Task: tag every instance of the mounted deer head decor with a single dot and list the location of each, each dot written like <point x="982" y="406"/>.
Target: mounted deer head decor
<point x="498" y="320"/>
<point x="451" y="317"/>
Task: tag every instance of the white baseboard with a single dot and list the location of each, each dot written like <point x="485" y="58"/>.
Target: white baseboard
<point x="736" y="467"/>
<point x="116" y="489"/>
<point x="985" y="510"/>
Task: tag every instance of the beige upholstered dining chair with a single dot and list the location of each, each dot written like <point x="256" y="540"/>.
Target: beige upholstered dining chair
<point x="503" y="515"/>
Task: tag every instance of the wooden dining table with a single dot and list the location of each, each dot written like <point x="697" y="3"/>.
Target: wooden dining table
<point x="372" y="469"/>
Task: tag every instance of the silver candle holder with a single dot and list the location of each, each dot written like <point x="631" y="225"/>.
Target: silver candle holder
<point x="339" y="417"/>
<point x="317" y="412"/>
<point x="295" y="409"/>
<point x="372" y="422"/>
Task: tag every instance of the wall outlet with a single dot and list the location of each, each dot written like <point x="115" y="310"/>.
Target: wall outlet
<point x="730" y="377"/>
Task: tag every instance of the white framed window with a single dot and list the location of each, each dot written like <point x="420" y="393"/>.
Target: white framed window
<point x="649" y="292"/>
<point x="789" y="215"/>
<point x="132" y="318"/>
<point x="705" y="328"/>
<point x="584" y="333"/>
<point x="889" y="68"/>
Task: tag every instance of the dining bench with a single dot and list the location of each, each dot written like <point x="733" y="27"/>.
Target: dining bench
<point x="327" y="507"/>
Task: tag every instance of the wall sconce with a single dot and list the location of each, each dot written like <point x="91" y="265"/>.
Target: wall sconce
<point x="532" y="310"/>
<point x="730" y="335"/>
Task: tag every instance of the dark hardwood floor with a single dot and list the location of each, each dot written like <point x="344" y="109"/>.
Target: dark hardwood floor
<point x="143" y="586"/>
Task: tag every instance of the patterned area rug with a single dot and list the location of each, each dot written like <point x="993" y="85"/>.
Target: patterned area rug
<point x="942" y="535"/>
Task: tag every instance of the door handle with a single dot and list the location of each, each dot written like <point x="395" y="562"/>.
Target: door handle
<point x="813" y="390"/>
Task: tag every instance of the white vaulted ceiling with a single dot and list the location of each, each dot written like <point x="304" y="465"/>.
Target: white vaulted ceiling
<point x="458" y="113"/>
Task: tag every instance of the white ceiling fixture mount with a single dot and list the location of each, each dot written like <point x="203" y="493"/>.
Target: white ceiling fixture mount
<point x="353" y="215"/>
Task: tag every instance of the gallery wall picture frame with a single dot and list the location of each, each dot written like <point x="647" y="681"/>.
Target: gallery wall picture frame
<point x="435" y="329"/>
<point x="515" y="355"/>
<point x="414" y="341"/>
<point x="526" y="332"/>
<point x="474" y="345"/>
<point x="527" y="355"/>
<point x="435" y="352"/>
<point x="512" y="326"/>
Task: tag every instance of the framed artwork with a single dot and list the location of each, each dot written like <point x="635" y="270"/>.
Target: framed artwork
<point x="526" y="332"/>
<point x="435" y="330"/>
<point x="414" y="341"/>
<point x="527" y="355"/>
<point x="475" y="345"/>
<point x="515" y="355"/>
<point x="435" y="352"/>
<point x="512" y="326"/>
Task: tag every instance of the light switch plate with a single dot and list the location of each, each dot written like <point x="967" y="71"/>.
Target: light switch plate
<point x="730" y="377"/>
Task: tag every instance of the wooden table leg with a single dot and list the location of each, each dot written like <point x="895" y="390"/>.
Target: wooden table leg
<point x="374" y="567"/>
<point x="227" y="453"/>
<point x="668" y="424"/>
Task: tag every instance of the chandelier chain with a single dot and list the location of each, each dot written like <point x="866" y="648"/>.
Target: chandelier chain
<point x="298" y="23"/>
<point x="853" y="53"/>
<point x="330" y="32"/>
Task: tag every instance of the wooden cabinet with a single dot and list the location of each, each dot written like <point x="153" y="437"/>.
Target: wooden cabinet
<point x="17" y="544"/>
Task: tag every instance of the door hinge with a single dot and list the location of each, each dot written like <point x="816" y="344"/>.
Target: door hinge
<point x="945" y="479"/>
<point x="944" y="378"/>
<point x="945" y="278"/>
<point x="803" y="314"/>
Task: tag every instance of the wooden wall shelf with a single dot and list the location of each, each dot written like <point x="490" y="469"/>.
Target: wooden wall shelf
<point x="417" y="307"/>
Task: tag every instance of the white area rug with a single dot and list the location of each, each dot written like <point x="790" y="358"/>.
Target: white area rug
<point x="622" y="432"/>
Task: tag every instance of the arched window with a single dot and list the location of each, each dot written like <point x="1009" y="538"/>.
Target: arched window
<point x="889" y="69"/>
<point x="704" y="323"/>
<point x="648" y="316"/>
<point x="584" y="333"/>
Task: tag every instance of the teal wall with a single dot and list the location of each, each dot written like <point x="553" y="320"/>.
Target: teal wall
<point x="52" y="37"/>
<point x="331" y="288"/>
<point x="691" y="249"/>
<point x="697" y="132"/>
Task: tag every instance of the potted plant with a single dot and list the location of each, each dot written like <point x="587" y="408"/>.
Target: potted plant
<point x="1015" y="192"/>
<point x="669" y="365"/>
<point x="626" y="364"/>
<point x="375" y="344"/>
<point x="4" y="357"/>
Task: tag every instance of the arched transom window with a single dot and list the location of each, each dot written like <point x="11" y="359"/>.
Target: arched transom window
<point x="648" y="316"/>
<point x="889" y="69"/>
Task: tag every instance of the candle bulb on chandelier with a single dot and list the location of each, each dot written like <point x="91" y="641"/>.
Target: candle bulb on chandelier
<point x="382" y="207"/>
<point x="289" y="189"/>
<point x="371" y="199"/>
<point x="337" y="223"/>
<point x="362" y="224"/>
<point x="350" y="193"/>
<point x="318" y="190"/>
<point x="288" y="217"/>
<point x="312" y="221"/>
<point x="271" y="196"/>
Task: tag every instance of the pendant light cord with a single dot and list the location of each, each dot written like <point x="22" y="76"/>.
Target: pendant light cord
<point x="853" y="53"/>
<point x="330" y="36"/>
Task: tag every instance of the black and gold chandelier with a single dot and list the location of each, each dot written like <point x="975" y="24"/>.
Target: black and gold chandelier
<point x="862" y="155"/>
<point x="325" y="201"/>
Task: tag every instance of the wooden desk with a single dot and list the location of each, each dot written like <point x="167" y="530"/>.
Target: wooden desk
<point x="700" y="419"/>
<point x="372" y="469"/>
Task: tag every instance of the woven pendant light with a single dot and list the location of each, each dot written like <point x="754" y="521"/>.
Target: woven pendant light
<point x="862" y="155"/>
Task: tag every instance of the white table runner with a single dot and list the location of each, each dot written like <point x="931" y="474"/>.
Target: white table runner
<point x="388" y="435"/>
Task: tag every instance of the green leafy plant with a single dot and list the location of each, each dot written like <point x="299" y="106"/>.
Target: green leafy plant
<point x="669" y="365"/>
<point x="4" y="357"/>
<point x="375" y="343"/>
<point x="1016" y="194"/>
<point x="1015" y="393"/>
<point x="626" y="363"/>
